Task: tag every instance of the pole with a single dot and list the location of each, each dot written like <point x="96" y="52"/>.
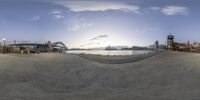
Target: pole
<point x="0" y="46"/>
<point x="4" y="42"/>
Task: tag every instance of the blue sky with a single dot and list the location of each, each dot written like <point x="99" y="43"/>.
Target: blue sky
<point x="98" y="23"/>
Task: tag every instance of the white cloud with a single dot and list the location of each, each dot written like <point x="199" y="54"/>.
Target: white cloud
<point x="57" y="13"/>
<point x="171" y="10"/>
<point x="77" y="24"/>
<point x="58" y="16"/>
<point x="175" y="10"/>
<point x="154" y="8"/>
<point x="79" y="6"/>
<point x="74" y="27"/>
<point x="99" y="37"/>
<point x="34" y="18"/>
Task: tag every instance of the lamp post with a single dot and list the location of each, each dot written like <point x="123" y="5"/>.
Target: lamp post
<point x="0" y="46"/>
<point x="4" y="43"/>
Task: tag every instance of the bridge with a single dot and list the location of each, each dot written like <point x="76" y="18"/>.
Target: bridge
<point x="39" y="47"/>
<point x="60" y="45"/>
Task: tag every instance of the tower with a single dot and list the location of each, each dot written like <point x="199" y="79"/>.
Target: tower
<point x="170" y="42"/>
<point x="156" y="44"/>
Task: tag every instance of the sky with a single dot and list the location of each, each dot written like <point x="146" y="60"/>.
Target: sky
<point x="99" y="23"/>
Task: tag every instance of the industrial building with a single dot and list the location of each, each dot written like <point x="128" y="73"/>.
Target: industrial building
<point x="186" y="47"/>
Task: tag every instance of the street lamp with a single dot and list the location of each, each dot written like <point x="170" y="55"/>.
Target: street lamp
<point x="4" y="41"/>
<point x="1" y="47"/>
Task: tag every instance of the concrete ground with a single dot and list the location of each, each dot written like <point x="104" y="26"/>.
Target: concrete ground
<point x="117" y="59"/>
<point x="165" y="76"/>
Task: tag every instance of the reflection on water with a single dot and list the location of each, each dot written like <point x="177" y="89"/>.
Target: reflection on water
<point x="109" y="52"/>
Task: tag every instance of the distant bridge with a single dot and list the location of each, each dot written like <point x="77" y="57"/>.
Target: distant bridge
<point x="39" y="47"/>
<point x="59" y="45"/>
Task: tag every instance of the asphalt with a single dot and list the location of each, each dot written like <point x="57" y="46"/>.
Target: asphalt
<point x="165" y="76"/>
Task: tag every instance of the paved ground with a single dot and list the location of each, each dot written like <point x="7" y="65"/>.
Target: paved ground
<point x="117" y="59"/>
<point x="166" y="76"/>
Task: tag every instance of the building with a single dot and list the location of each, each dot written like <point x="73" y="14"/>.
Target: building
<point x="110" y="48"/>
<point x="33" y="47"/>
<point x="195" y="47"/>
<point x="185" y="47"/>
<point x="170" y="42"/>
<point x="156" y="45"/>
<point x="182" y="47"/>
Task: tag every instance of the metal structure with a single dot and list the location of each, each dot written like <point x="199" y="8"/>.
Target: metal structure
<point x="59" y="46"/>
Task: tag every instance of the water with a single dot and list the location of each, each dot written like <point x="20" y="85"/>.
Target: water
<point x="109" y="52"/>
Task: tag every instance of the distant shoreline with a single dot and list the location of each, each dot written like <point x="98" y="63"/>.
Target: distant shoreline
<point x="119" y="59"/>
<point x="109" y="52"/>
